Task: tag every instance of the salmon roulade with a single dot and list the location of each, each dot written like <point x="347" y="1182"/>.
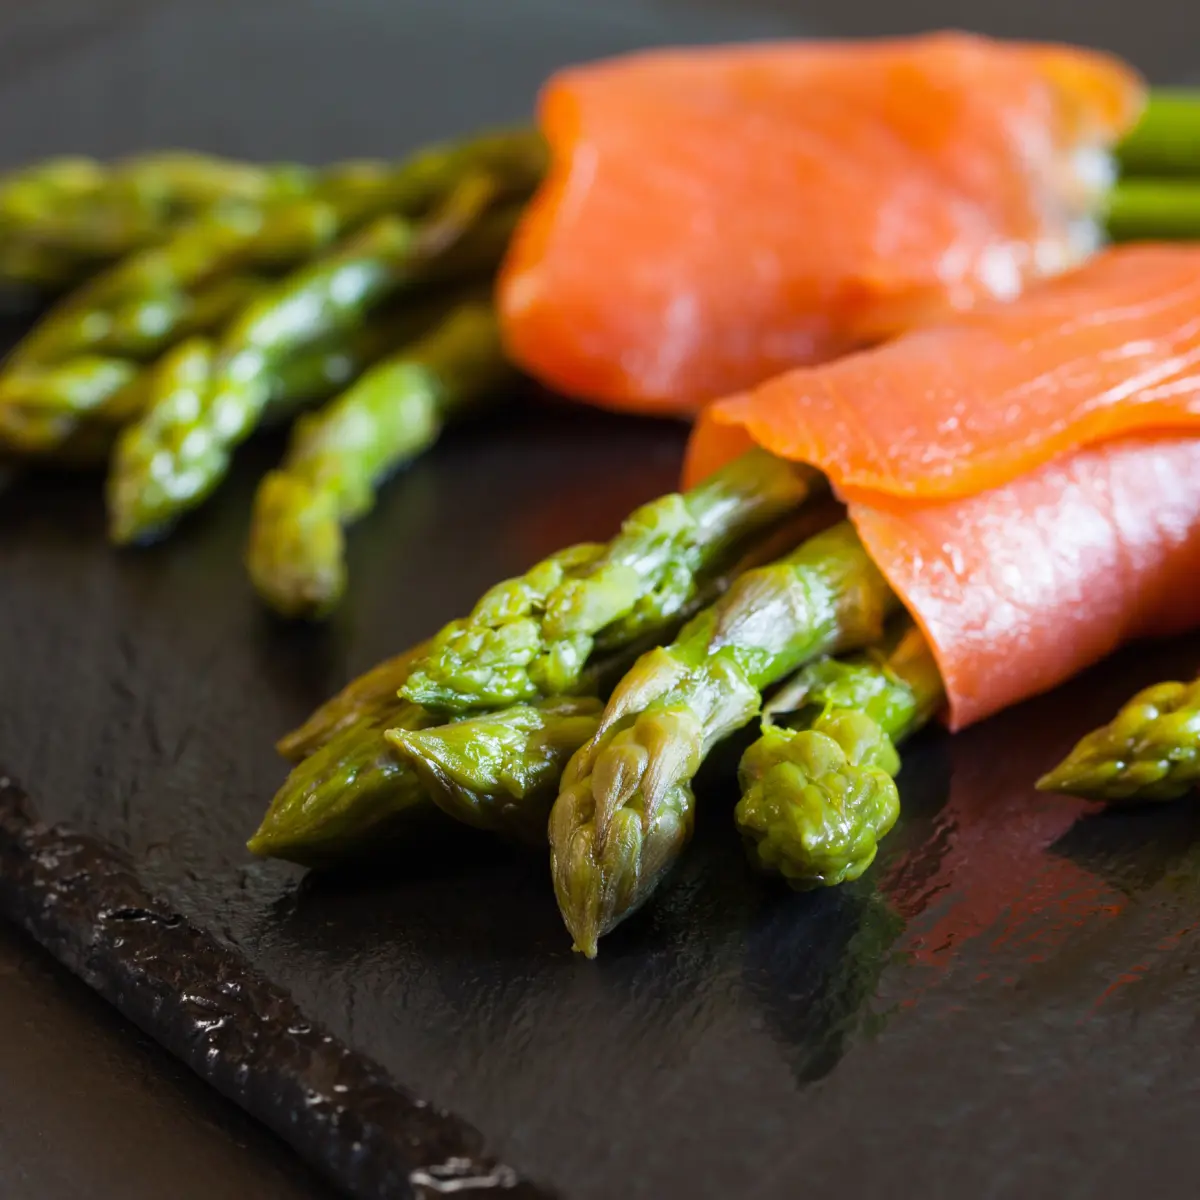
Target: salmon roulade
<point x="715" y="216"/>
<point x="1026" y="477"/>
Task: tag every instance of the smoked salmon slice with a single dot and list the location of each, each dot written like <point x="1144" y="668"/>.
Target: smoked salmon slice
<point x="1027" y="476"/>
<point x="1109" y="349"/>
<point x="714" y="216"/>
<point x="1020" y="588"/>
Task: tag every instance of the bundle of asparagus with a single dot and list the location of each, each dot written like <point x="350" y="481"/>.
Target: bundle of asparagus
<point x="499" y="721"/>
<point x="550" y="644"/>
<point x="278" y="289"/>
<point x="63" y="219"/>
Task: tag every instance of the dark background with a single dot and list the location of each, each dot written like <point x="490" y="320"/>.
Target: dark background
<point x="87" y="1106"/>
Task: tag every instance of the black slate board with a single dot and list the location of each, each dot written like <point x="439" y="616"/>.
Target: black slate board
<point x="1006" y="1007"/>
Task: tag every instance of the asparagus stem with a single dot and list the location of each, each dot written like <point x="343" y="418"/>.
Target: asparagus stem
<point x="817" y="790"/>
<point x="1166" y="141"/>
<point x="1149" y="751"/>
<point x="1167" y="209"/>
<point x="63" y="219"/>
<point x="340" y="455"/>
<point x="625" y="810"/>
<point x="40" y="408"/>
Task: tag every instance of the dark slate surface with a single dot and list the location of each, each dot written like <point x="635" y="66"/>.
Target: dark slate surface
<point x="90" y="1107"/>
<point x="1006" y="1007"/>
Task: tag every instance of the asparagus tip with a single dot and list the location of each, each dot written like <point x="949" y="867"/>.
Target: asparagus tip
<point x="293" y="745"/>
<point x="296" y="553"/>
<point x="1056" y="780"/>
<point x="430" y="754"/>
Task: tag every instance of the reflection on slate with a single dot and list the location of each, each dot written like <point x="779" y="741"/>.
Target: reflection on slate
<point x="815" y="960"/>
<point x="814" y="963"/>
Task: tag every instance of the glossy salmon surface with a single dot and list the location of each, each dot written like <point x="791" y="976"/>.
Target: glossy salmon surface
<point x="715" y="216"/>
<point x="1027" y="476"/>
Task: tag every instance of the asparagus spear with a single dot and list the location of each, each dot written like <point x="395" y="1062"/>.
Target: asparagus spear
<point x="39" y="410"/>
<point x="378" y="778"/>
<point x="137" y="308"/>
<point x="74" y="413"/>
<point x="817" y="790"/>
<point x="325" y="368"/>
<point x="625" y="810"/>
<point x="349" y="794"/>
<point x="532" y="637"/>
<point x="500" y="771"/>
<point x="177" y="453"/>
<point x="1149" y="751"/>
<point x="340" y="455"/>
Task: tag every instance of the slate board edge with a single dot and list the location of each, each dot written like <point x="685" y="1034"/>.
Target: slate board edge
<point x="80" y="899"/>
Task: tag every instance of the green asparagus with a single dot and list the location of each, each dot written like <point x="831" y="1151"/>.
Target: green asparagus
<point x="213" y="266"/>
<point x="383" y="777"/>
<point x="141" y="305"/>
<point x="1150" y="751"/>
<point x="348" y="795"/>
<point x="817" y="790"/>
<point x="62" y="219"/>
<point x="339" y="456"/>
<point x="170" y="460"/>
<point x="1159" y="208"/>
<point x="500" y="771"/>
<point x="74" y="412"/>
<point x="625" y="810"/>
<point x="376" y="691"/>
<point x="532" y="637"/>
<point x="506" y="784"/>
<point x="39" y="409"/>
<point x="1166" y="140"/>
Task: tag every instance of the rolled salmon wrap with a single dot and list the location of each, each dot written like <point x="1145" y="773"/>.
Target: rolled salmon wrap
<point x="1026" y="477"/>
<point x="713" y="216"/>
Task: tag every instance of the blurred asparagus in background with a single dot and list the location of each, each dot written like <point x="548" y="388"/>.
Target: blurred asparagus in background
<point x="340" y="455"/>
<point x="212" y="268"/>
<point x="64" y="219"/>
<point x="177" y="452"/>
